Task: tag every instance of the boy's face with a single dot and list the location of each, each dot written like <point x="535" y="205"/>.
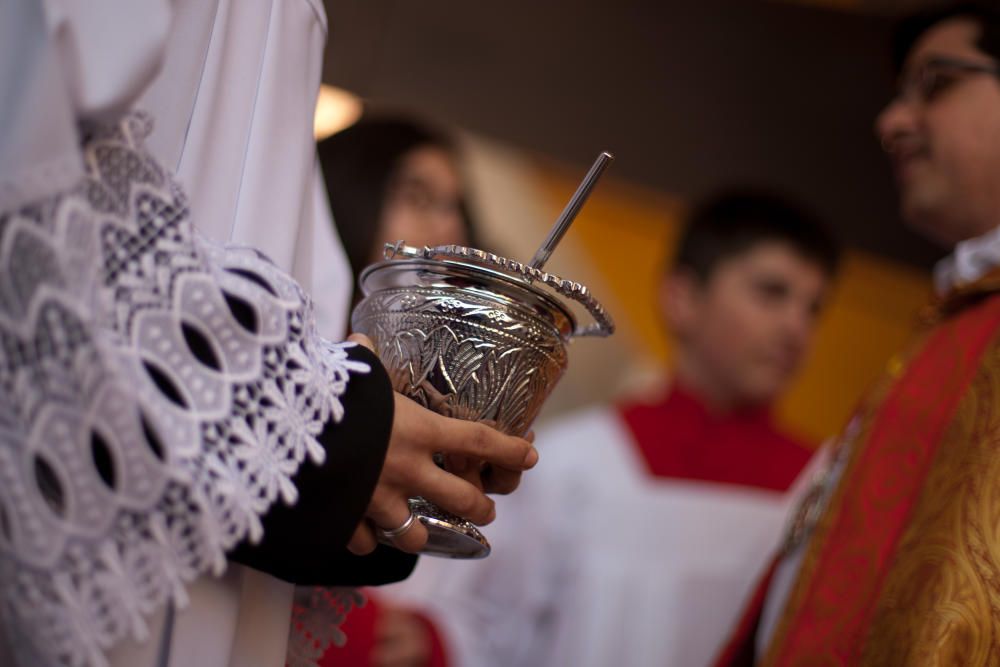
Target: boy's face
<point x="747" y="329"/>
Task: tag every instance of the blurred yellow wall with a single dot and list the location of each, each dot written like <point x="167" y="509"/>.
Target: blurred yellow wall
<point x="627" y="232"/>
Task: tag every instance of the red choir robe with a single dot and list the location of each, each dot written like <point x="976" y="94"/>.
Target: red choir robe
<point x="635" y="541"/>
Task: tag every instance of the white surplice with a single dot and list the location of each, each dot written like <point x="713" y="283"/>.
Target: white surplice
<point x="231" y="86"/>
<point x="596" y="562"/>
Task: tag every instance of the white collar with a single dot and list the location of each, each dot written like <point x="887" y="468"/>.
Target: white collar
<point x="970" y="261"/>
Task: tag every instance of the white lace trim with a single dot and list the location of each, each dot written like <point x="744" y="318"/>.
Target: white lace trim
<point x="157" y="395"/>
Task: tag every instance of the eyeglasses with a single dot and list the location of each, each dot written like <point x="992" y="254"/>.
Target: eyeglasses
<point x="937" y="75"/>
<point x="420" y="196"/>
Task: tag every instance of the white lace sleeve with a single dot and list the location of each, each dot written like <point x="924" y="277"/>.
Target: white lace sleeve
<point x="157" y="395"/>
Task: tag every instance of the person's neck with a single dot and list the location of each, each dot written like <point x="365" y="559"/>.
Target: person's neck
<point x="694" y="381"/>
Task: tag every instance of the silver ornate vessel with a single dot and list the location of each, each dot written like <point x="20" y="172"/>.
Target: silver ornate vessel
<point x="475" y="336"/>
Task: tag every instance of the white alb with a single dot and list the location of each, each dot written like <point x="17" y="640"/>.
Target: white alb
<point x="157" y="395"/>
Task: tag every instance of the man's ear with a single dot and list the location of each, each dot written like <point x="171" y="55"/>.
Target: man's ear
<point x="679" y="296"/>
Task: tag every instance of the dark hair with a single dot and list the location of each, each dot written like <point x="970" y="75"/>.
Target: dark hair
<point x="731" y="223"/>
<point x="910" y="29"/>
<point x="358" y="165"/>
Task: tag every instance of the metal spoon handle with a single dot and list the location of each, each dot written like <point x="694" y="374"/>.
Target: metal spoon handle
<point x="572" y="208"/>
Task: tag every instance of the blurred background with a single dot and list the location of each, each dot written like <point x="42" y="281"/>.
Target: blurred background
<point x="690" y="97"/>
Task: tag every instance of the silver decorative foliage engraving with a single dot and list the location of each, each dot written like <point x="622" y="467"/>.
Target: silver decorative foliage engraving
<point x="465" y="355"/>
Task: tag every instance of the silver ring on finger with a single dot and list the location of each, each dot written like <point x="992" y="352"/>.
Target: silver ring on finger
<point x="399" y="531"/>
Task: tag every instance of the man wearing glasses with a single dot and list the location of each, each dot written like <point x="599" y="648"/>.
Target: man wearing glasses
<point x="894" y="558"/>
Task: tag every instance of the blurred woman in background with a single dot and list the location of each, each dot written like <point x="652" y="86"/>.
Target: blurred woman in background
<point x="390" y="179"/>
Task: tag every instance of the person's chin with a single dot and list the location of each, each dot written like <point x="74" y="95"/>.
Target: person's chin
<point x="931" y="223"/>
<point x="926" y="212"/>
<point x="763" y="392"/>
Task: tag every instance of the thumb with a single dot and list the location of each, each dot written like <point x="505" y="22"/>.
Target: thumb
<point x="362" y="339"/>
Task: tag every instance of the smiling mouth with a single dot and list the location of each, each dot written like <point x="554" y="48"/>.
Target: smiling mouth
<point x="903" y="162"/>
<point x="904" y="154"/>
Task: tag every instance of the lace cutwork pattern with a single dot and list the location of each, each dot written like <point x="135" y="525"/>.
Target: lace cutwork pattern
<point x="316" y="617"/>
<point x="157" y="395"/>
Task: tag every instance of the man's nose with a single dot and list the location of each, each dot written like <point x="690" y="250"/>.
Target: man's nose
<point x="896" y="119"/>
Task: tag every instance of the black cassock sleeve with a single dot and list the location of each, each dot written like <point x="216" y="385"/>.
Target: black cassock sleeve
<point x="305" y="544"/>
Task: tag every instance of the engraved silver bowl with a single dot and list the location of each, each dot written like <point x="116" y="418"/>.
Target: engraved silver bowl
<point x="474" y="336"/>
